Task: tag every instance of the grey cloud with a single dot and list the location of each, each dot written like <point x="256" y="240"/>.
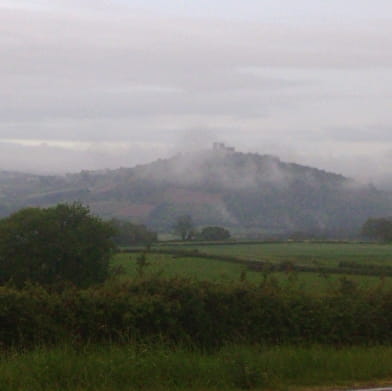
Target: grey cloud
<point x="49" y="159"/>
<point x="368" y="134"/>
<point x="88" y="72"/>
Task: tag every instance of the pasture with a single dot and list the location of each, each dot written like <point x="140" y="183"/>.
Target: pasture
<point x="321" y="253"/>
<point x="313" y="254"/>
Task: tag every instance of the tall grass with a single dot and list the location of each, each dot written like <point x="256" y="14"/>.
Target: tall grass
<point x="148" y="367"/>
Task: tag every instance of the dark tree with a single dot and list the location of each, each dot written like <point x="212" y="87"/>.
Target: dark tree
<point x="128" y="234"/>
<point x="378" y="229"/>
<point x="184" y="227"/>
<point x="214" y="233"/>
<point x="62" y="243"/>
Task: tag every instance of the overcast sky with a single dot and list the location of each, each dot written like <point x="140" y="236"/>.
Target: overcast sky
<point x="94" y="84"/>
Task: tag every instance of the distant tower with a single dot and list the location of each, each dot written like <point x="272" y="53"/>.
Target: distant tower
<point x="221" y="147"/>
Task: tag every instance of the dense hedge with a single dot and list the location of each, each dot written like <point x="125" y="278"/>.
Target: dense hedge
<point x="196" y="313"/>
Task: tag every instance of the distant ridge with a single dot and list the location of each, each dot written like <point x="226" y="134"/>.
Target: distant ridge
<point x="246" y="192"/>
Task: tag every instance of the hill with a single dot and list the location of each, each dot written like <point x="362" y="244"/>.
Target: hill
<point x="242" y="191"/>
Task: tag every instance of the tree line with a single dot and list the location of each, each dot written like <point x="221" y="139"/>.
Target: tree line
<point x="186" y="229"/>
<point x="378" y="229"/>
<point x="67" y="244"/>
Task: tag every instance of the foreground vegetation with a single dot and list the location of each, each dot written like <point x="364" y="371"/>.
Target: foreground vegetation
<point x="158" y="367"/>
<point x="194" y="313"/>
<point x="202" y="317"/>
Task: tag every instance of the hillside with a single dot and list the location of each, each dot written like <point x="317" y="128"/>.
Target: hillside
<point x="245" y="192"/>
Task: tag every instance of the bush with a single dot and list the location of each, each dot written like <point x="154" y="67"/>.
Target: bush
<point x="58" y="244"/>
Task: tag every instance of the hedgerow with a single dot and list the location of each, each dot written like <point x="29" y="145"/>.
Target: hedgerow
<point x="194" y="313"/>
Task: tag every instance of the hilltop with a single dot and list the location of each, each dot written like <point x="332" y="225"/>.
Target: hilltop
<point x="243" y="191"/>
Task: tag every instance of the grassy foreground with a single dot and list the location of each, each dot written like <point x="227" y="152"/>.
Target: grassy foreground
<point x="146" y="367"/>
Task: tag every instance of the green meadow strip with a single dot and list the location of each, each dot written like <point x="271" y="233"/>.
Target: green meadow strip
<point x="152" y="367"/>
<point x="260" y="263"/>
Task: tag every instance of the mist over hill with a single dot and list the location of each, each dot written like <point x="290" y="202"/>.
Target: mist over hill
<point x="245" y="192"/>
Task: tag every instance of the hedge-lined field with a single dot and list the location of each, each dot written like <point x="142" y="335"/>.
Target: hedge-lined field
<point x="195" y="314"/>
<point x="304" y="253"/>
<point x="208" y="269"/>
<point x="205" y="323"/>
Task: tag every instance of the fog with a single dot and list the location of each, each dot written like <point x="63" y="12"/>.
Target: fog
<point x="91" y="85"/>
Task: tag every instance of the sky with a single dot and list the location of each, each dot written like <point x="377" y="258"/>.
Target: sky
<point x="102" y="84"/>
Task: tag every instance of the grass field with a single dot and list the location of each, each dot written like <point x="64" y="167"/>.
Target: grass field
<point x="128" y="368"/>
<point x="166" y="265"/>
<point x="302" y="253"/>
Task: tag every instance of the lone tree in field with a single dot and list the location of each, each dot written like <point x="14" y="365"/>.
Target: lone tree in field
<point x="61" y="243"/>
<point x="184" y="227"/>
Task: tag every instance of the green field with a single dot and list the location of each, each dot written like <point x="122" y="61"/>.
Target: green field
<point x="302" y="253"/>
<point x="319" y="254"/>
<point x="167" y="265"/>
<point x="147" y="367"/>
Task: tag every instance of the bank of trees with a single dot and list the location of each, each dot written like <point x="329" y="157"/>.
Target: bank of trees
<point x="186" y="229"/>
<point x="129" y="234"/>
<point x="65" y="243"/>
<point x="214" y="233"/>
<point x="378" y="229"/>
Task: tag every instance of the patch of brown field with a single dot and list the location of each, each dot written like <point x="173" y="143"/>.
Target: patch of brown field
<point x="181" y="195"/>
<point x="136" y="210"/>
<point x="122" y="209"/>
<point x="104" y="189"/>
